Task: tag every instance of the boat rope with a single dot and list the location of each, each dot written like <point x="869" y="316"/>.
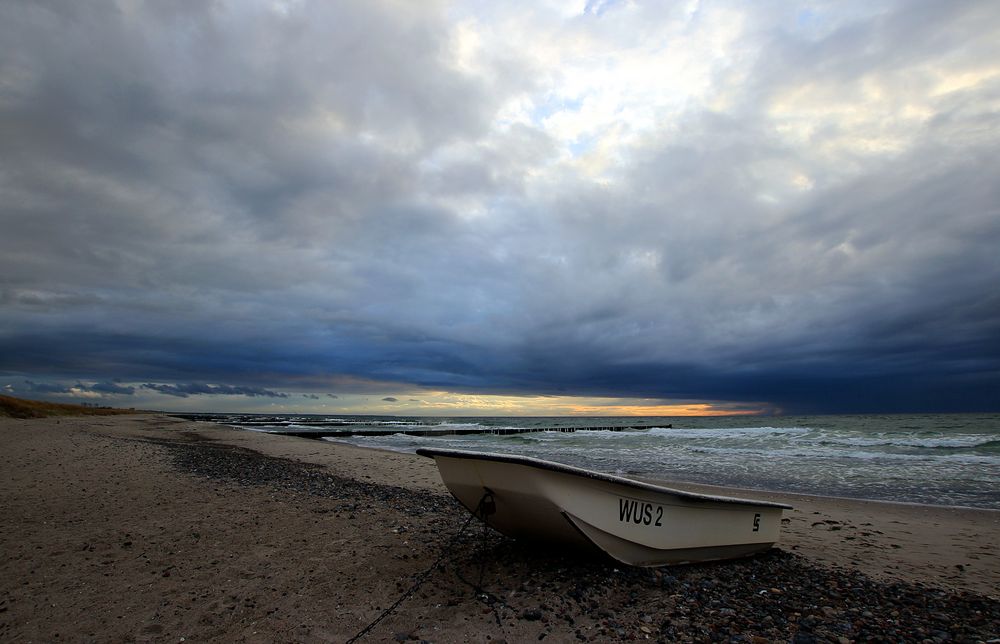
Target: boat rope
<point x="488" y="598"/>
<point x="485" y="507"/>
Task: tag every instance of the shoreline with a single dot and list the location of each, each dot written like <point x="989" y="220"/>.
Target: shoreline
<point x="720" y="490"/>
<point x="947" y="546"/>
<point x="950" y="547"/>
<point x="147" y="528"/>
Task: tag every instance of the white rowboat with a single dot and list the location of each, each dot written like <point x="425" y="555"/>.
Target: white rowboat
<point x="637" y="523"/>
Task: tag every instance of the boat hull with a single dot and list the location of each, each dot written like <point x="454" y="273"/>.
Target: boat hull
<point x="637" y="523"/>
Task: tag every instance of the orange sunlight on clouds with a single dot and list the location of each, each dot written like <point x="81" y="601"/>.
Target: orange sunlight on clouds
<point x="697" y="409"/>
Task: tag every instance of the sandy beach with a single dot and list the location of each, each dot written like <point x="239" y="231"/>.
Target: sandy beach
<point x="150" y="528"/>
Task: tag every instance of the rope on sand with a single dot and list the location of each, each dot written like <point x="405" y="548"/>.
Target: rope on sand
<point x="486" y="506"/>
<point x="484" y="596"/>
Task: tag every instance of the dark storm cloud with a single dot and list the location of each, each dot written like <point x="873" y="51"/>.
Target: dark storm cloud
<point x="112" y="388"/>
<point x="79" y="388"/>
<point x="202" y="389"/>
<point x="276" y="197"/>
<point x="45" y="388"/>
<point x="390" y="399"/>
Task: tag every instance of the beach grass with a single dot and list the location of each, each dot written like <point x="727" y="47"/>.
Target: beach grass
<point x="11" y="407"/>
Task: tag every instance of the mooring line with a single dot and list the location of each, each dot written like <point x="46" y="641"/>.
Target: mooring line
<point x="483" y="507"/>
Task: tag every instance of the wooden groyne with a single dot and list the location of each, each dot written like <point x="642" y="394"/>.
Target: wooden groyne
<point x="327" y="428"/>
<point x="458" y="431"/>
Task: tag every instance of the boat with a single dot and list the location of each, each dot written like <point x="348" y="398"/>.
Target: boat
<point x="634" y="522"/>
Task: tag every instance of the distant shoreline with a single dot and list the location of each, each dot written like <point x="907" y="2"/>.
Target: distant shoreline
<point x="11" y="407"/>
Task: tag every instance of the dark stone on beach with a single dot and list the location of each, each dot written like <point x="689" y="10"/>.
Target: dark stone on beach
<point x="531" y="615"/>
<point x="249" y="468"/>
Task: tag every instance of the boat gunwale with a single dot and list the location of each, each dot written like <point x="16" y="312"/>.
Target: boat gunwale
<point x="431" y="452"/>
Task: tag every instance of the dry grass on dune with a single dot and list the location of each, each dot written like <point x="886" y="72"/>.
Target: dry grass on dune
<point x="11" y="407"/>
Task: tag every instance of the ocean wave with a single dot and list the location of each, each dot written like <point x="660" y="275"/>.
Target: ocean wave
<point x="819" y="453"/>
<point x="392" y="442"/>
<point x="730" y="432"/>
<point x="950" y="442"/>
<point x="949" y="460"/>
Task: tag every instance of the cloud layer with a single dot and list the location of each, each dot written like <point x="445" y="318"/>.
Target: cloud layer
<point x="794" y="204"/>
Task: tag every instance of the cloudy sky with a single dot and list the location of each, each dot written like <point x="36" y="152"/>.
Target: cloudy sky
<point x="501" y="208"/>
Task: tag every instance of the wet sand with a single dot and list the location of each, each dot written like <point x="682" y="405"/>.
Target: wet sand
<point x="149" y="528"/>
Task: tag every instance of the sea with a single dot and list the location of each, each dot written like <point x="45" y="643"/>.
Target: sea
<point x="935" y="459"/>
